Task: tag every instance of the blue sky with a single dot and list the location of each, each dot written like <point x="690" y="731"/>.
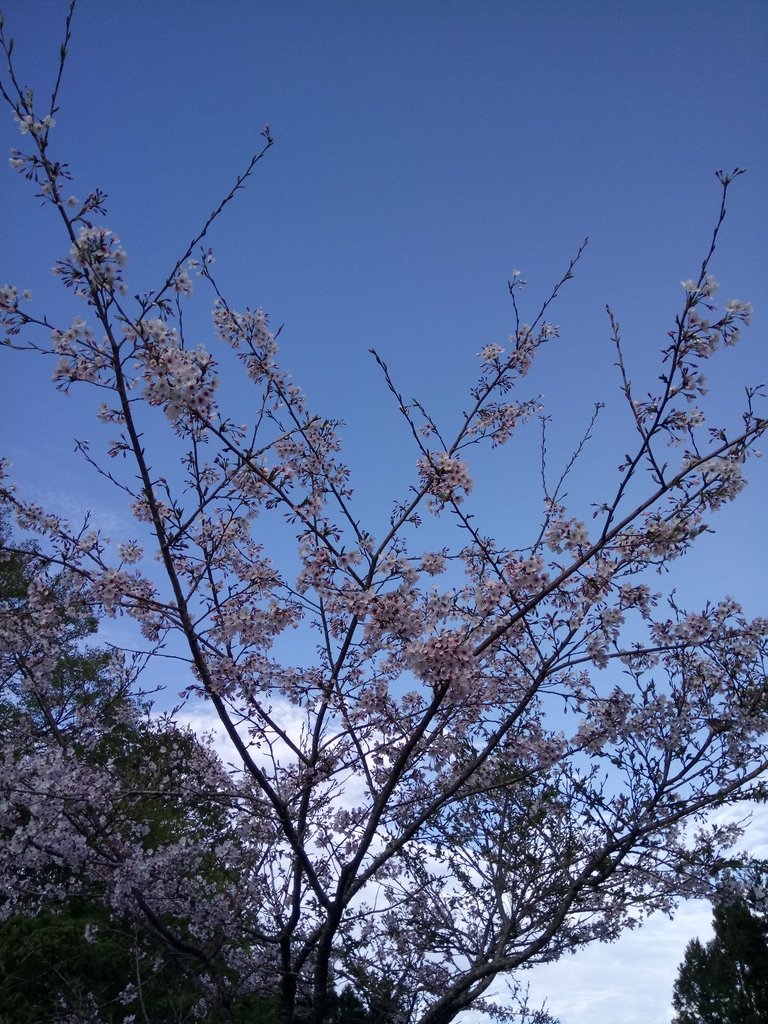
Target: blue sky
<point x="424" y="150"/>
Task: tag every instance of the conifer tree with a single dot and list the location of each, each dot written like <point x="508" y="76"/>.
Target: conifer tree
<point x="726" y="980"/>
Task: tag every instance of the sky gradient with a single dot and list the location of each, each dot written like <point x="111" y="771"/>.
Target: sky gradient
<point x="424" y="150"/>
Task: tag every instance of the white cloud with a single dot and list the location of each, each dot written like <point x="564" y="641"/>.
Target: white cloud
<point x="627" y="982"/>
<point x="204" y="721"/>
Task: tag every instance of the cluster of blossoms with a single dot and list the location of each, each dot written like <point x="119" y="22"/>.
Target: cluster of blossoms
<point x="525" y="341"/>
<point x="567" y="534"/>
<point x="17" y="160"/>
<point x="606" y="720"/>
<point x="662" y="537"/>
<point x="12" y="316"/>
<point x="82" y="358"/>
<point x="249" y="330"/>
<point x="29" y="124"/>
<point x="497" y="420"/>
<point x="254" y="626"/>
<point x="701" y="289"/>
<point x="491" y="353"/>
<point x="698" y="336"/>
<point x="28" y="640"/>
<point x="251" y="479"/>
<point x="724" y="477"/>
<point x="445" y="660"/>
<point x="178" y="379"/>
<point x="105" y="414"/>
<point x="737" y="308"/>
<point x="9" y="298"/>
<point x="393" y="614"/>
<point x="31" y="516"/>
<point x="446" y="479"/>
<point x="142" y="510"/>
<point x="182" y="283"/>
<point x="96" y="261"/>
<point x="433" y="563"/>
<point x="66" y="342"/>
<point x="524" y="576"/>
<point x="638" y="596"/>
<point x="114" y="589"/>
<point x="722" y="480"/>
<point x="130" y="553"/>
<point x="703" y="334"/>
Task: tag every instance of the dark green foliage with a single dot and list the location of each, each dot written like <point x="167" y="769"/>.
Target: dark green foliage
<point x="73" y="958"/>
<point x="726" y="980"/>
<point x="371" y="998"/>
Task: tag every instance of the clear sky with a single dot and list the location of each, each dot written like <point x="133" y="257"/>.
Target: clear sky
<point x="424" y="150"/>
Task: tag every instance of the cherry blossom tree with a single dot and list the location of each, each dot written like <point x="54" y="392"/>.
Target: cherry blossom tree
<point x="505" y="747"/>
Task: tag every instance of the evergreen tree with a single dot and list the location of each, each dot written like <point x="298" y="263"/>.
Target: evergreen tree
<point x="726" y="980"/>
